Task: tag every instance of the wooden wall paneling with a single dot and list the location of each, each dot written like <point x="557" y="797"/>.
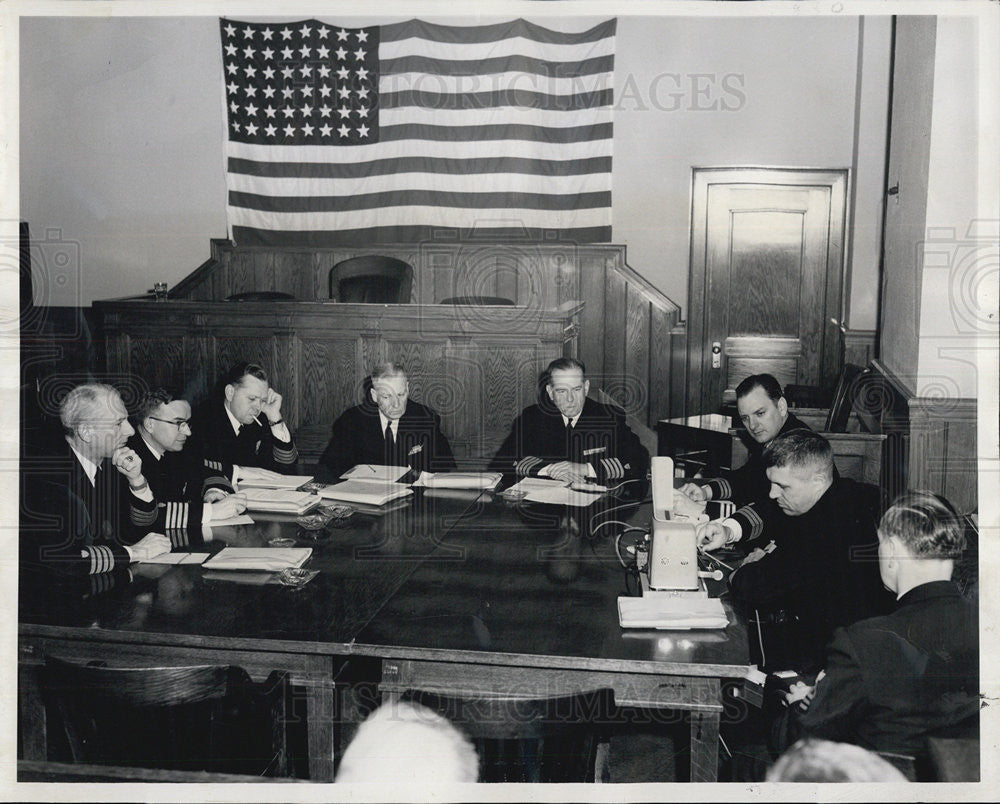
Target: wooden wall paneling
<point x="229" y="348"/>
<point x="634" y="396"/>
<point x="565" y="279"/>
<point x="291" y="273"/>
<point x="859" y="346"/>
<point x="157" y="361"/>
<point x="242" y="276"/>
<point x="678" y="372"/>
<point x="590" y="277"/>
<point x="660" y="324"/>
<point x="614" y="325"/>
<point x="437" y="274"/>
<point x="510" y="269"/>
<point x="220" y="280"/>
<point x="284" y="375"/>
<point x="943" y="449"/>
<point x="423" y="359"/>
<point x="373" y="352"/>
<point x="458" y="395"/>
<point x="327" y="377"/>
<point x="265" y="264"/>
<point x="198" y="363"/>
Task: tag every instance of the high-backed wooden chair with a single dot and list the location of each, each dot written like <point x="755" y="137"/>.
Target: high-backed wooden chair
<point x="530" y="739"/>
<point x="371" y="279"/>
<point x="203" y="717"/>
<point x="856" y="455"/>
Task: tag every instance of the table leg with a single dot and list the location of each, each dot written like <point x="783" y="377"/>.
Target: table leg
<point x="705" y="746"/>
<point x="31" y="715"/>
<point x="320" y="714"/>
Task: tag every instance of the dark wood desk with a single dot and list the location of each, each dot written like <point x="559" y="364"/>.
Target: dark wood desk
<point x="697" y="443"/>
<point x="456" y="592"/>
<point x="515" y="599"/>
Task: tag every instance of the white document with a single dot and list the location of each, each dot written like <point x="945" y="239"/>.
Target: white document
<point x="282" y="501"/>
<point x="239" y="519"/>
<point x="259" y="558"/>
<point x="562" y="495"/>
<point x="375" y="471"/>
<point x="459" y="480"/>
<point x="366" y="492"/>
<point x="253" y="478"/>
<point x="177" y="558"/>
<point x="530" y="484"/>
<point x="671" y="612"/>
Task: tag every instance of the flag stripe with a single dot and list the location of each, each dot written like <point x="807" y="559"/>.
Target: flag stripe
<point x="395" y="32"/>
<point x="257" y="236"/>
<point x="503" y="83"/>
<point x="514" y="63"/>
<point x="415" y="164"/>
<point x="402" y="198"/>
<point x="421" y="215"/>
<point x="505" y="97"/>
<point x="450" y="181"/>
<point x="540" y="118"/>
<point x="400" y="148"/>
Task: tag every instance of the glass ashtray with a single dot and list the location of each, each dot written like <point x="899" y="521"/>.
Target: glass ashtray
<point x="513" y="494"/>
<point x="281" y="541"/>
<point x="296" y="577"/>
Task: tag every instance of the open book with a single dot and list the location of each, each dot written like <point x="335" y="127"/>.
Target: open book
<point x="270" y="559"/>
<point x="252" y="477"/>
<point x="459" y="480"/>
<point x="366" y="492"/>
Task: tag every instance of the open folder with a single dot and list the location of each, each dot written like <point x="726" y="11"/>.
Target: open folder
<point x="279" y="501"/>
<point x="271" y="559"/>
<point x="459" y="480"/>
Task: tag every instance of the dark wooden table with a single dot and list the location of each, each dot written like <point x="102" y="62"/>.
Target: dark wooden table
<point x="702" y="442"/>
<point x="456" y="592"/>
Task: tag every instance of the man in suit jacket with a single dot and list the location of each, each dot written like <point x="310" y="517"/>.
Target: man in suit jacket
<point x="890" y="682"/>
<point x="568" y="436"/>
<point x="764" y="412"/>
<point x="190" y="494"/>
<point x="819" y="572"/>
<point x="89" y="509"/>
<point x="388" y="429"/>
<point x="243" y="426"/>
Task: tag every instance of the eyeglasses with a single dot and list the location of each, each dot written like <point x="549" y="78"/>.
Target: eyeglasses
<point x="178" y="423"/>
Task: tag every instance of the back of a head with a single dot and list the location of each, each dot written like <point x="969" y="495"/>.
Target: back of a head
<point x="926" y="524"/>
<point x="812" y="760"/>
<point x="802" y="449"/>
<point x="406" y="743"/>
<point x="768" y="382"/>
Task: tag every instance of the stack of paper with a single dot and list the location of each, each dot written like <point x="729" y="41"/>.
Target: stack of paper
<point x="459" y="480"/>
<point x="271" y="559"/>
<point x="254" y="478"/>
<point x="671" y="612"/>
<point x="365" y="492"/>
<point x="279" y="501"/>
<point x="375" y="471"/>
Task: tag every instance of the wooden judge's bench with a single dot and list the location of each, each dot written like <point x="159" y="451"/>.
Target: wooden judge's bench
<point x="477" y="365"/>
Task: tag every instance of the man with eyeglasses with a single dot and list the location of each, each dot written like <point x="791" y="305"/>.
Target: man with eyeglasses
<point x="89" y="509"/>
<point x="570" y="437"/>
<point x="387" y="429"/>
<point x="190" y="493"/>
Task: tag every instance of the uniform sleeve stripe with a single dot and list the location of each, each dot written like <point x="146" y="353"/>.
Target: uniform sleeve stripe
<point x="285" y="455"/>
<point x="217" y="482"/>
<point x="177" y="515"/>
<point x="102" y="559"/>
<point x="527" y="464"/>
<point x="753" y="519"/>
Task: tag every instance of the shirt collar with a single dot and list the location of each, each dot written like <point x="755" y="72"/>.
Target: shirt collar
<point x="926" y="591"/>
<point x="573" y="421"/>
<point x="386" y="420"/>
<point x="232" y="419"/>
<point x="88" y="465"/>
<point x="157" y="452"/>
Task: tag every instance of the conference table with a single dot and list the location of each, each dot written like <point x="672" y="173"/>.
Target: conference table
<point x="454" y="591"/>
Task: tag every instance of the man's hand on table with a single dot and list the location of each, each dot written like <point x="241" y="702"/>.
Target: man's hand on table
<point x="149" y="546"/>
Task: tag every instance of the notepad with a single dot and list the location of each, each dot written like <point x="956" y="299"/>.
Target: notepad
<point x="671" y="612"/>
<point x="366" y="492"/>
<point x="375" y="471"/>
<point x="459" y="480"/>
<point x="280" y="501"/>
<point x="270" y="559"/>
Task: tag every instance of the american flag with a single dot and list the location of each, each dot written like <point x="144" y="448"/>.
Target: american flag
<point x="393" y="133"/>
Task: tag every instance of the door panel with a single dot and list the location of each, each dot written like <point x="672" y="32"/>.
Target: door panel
<point x="766" y="277"/>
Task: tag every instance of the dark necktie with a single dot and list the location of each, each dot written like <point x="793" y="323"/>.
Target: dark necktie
<point x="390" y="442"/>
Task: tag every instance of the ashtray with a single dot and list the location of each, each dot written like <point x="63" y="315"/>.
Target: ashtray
<point x="313" y="521"/>
<point x="296" y="577"/>
<point x="336" y="513"/>
<point x="281" y="541"/>
<point x="513" y="494"/>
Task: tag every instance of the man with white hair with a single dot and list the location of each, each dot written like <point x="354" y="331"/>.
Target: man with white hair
<point x="91" y="507"/>
<point x="408" y="744"/>
<point x="389" y="429"/>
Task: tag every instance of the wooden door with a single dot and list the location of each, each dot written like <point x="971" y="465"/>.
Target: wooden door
<point x="766" y="276"/>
